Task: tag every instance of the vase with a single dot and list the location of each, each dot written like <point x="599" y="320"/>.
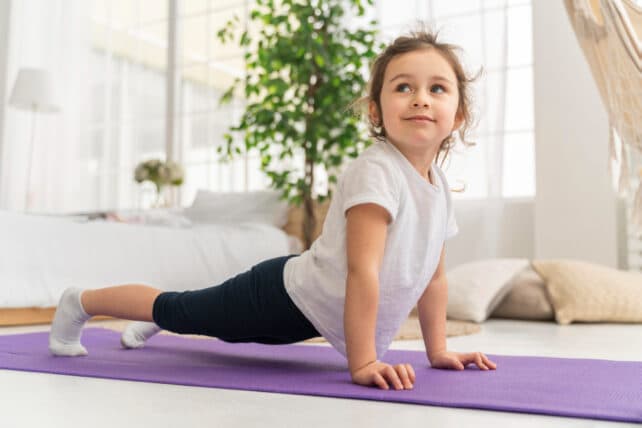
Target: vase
<point x="161" y="197"/>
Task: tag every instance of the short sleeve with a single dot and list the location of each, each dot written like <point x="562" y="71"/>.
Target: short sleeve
<point x="451" y="227"/>
<point x="371" y="181"/>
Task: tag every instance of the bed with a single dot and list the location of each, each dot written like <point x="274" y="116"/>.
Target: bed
<point x="218" y="236"/>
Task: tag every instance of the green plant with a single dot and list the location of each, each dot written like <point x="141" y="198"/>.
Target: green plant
<point x="302" y="74"/>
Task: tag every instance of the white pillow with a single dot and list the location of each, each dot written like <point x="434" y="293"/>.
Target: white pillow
<point x="475" y="289"/>
<point x="259" y="206"/>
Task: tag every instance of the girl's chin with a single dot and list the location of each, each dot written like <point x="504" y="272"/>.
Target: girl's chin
<point x="415" y="141"/>
<point x="423" y="142"/>
<point x="416" y="147"/>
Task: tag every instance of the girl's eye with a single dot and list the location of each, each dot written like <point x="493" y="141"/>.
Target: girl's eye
<point x="437" y="88"/>
<point x="403" y="87"/>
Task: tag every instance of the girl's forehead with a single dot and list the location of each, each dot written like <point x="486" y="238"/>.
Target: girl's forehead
<point x="422" y="63"/>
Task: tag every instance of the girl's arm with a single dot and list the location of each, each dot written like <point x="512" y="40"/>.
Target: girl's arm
<point x="432" y="307"/>
<point x="366" y="229"/>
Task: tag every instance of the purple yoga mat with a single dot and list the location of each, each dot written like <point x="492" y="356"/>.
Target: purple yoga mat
<point x="599" y="389"/>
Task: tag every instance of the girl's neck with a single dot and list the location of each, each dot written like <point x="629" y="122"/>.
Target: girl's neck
<point x="421" y="160"/>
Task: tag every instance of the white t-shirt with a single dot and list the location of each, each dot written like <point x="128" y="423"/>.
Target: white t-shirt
<point x="422" y="219"/>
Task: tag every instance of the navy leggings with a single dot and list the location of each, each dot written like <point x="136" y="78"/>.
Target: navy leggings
<point x="251" y="307"/>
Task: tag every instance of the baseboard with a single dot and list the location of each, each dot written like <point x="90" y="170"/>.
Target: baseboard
<point x="30" y="316"/>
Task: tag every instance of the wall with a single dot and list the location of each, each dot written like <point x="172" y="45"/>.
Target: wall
<point x="5" y="8"/>
<point x="575" y="206"/>
<point x="575" y="213"/>
<point x="491" y="229"/>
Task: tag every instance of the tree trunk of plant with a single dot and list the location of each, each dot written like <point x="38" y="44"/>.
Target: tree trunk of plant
<point x="309" y="215"/>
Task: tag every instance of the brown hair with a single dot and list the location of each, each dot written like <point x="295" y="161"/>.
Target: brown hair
<point x="417" y="40"/>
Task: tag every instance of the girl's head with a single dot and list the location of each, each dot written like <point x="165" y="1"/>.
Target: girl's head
<point x="418" y="90"/>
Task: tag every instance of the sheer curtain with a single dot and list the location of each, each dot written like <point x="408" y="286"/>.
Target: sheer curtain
<point x="495" y="35"/>
<point x="108" y="59"/>
<point x="207" y="68"/>
<point x="47" y="34"/>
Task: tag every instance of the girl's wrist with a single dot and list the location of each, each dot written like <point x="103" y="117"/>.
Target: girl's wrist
<point x="362" y="366"/>
<point x="366" y="365"/>
<point x="434" y="353"/>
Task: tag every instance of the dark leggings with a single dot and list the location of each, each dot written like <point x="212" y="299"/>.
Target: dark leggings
<point x="251" y="307"/>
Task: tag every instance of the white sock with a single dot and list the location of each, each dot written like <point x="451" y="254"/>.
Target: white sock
<point x="64" y="338"/>
<point x="136" y="333"/>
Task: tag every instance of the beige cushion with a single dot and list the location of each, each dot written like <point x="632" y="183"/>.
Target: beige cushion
<point x="527" y="298"/>
<point x="581" y="291"/>
<point x="476" y="288"/>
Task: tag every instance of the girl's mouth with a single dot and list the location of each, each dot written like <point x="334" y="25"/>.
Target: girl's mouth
<point x="420" y="119"/>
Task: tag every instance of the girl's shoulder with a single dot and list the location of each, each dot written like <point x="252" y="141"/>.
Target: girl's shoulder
<point x="374" y="161"/>
<point x="373" y="177"/>
<point x="376" y="156"/>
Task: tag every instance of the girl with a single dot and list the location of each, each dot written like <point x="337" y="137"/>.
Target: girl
<point x="381" y="250"/>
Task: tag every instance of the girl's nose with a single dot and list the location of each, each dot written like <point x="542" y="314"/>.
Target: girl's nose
<point x="421" y="100"/>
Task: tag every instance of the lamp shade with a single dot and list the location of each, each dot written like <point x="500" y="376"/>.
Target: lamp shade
<point x="33" y="91"/>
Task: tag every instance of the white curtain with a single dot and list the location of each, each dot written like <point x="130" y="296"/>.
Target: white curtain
<point x="51" y="35"/>
<point x="76" y="168"/>
<point x="608" y="32"/>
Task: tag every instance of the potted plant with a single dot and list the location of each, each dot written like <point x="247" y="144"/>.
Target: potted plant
<point x="303" y="72"/>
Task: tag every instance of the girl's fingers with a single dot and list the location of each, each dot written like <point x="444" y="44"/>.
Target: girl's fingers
<point x="489" y="363"/>
<point x="460" y="361"/>
<point x="380" y="381"/>
<point x="459" y="365"/>
<point x="393" y="377"/>
<point x="402" y="371"/>
<point x="480" y="361"/>
<point x="411" y="373"/>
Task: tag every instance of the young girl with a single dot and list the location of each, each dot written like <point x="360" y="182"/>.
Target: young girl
<point x="380" y="253"/>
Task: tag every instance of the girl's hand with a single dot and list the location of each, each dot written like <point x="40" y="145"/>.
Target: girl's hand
<point x="457" y="361"/>
<point x="401" y="376"/>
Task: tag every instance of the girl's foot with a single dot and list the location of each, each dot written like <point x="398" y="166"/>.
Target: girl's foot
<point x="136" y="333"/>
<point x="64" y="338"/>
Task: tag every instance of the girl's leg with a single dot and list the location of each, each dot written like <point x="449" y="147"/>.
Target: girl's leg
<point x="252" y="306"/>
<point x="130" y="302"/>
<point x="76" y="306"/>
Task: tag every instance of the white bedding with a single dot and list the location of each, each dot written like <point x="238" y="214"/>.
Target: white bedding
<point x="40" y="256"/>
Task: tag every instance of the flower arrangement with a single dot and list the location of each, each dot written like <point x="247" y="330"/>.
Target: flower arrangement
<point x="159" y="173"/>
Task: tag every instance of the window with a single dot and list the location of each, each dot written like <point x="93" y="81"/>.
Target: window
<point x="127" y="120"/>
<point x="207" y="69"/>
<point x="128" y="117"/>
<point x="495" y="35"/>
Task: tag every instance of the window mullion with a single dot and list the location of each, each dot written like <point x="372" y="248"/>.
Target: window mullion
<point x="172" y="85"/>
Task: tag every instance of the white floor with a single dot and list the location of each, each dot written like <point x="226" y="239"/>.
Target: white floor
<point x="34" y="399"/>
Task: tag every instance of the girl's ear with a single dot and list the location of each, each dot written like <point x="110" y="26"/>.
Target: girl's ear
<point x="459" y="120"/>
<point x="373" y="113"/>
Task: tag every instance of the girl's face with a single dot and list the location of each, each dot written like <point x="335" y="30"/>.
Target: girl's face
<point x="419" y="100"/>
